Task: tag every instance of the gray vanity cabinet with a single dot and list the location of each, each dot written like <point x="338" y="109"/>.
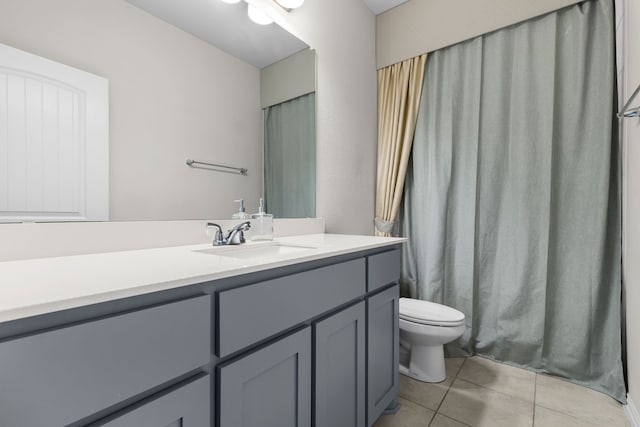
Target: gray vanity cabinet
<point x="382" y="351"/>
<point x="340" y="369"/>
<point x="269" y="387"/>
<point x="186" y="406"/>
<point x="309" y="344"/>
<point x="61" y="376"/>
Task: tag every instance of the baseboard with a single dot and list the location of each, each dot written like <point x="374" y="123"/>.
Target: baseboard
<point x="632" y="413"/>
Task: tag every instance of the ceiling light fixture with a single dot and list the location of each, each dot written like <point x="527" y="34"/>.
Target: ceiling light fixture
<point x="290" y="4"/>
<point x="257" y="16"/>
<point x="262" y="18"/>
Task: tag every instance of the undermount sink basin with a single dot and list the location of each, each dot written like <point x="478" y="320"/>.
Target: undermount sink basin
<point x="255" y="252"/>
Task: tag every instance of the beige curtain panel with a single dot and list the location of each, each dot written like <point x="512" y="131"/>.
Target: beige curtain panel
<point x="399" y="90"/>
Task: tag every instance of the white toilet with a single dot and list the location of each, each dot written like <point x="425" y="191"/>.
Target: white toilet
<point x="424" y="328"/>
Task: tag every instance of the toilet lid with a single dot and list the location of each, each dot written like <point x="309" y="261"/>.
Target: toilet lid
<point x="429" y="313"/>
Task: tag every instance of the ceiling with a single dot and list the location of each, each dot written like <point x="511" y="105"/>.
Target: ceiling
<point x="379" y="6"/>
<point x="227" y="27"/>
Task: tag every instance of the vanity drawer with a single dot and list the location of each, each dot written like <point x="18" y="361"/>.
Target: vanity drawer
<point x="187" y="406"/>
<point x="252" y="313"/>
<point x="58" y="377"/>
<point x="383" y="269"/>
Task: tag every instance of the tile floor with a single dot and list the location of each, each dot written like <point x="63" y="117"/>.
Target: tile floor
<point x="481" y="393"/>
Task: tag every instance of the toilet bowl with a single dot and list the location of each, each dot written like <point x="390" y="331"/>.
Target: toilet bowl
<point x="424" y="328"/>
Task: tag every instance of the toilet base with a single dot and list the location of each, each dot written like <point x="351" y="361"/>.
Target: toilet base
<point x="426" y="364"/>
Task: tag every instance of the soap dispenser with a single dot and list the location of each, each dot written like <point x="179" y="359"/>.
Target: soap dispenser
<point x="241" y="214"/>
<point x="262" y="224"/>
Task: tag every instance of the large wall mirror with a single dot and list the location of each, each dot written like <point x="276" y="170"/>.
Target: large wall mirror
<point x="194" y="79"/>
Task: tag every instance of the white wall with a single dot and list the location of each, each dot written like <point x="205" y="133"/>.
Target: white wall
<point x="631" y="197"/>
<point x="172" y="97"/>
<point x="341" y="32"/>
<point x="420" y="26"/>
<point x="38" y="240"/>
<point x="289" y="78"/>
<point x="343" y="35"/>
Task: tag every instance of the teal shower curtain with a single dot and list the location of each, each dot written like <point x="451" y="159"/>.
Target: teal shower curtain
<point x="290" y="158"/>
<point x="512" y="202"/>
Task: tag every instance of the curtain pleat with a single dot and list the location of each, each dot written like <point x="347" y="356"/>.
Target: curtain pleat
<point x="399" y="90"/>
<point x="512" y="201"/>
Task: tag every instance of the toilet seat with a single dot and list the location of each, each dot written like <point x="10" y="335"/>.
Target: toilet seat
<point x="429" y="313"/>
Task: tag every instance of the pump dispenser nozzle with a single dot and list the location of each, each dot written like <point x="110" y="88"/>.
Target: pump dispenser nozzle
<point x="262" y="223"/>
<point x="241" y="214"/>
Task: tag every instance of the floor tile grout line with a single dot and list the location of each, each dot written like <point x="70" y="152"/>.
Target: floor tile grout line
<point x="569" y="416"/>
<point x="498" y="391"/>
<point x="481" y="386"/>
<point x="494" y="390"/>
<point x="456" y="375"/>
<point x="566" y="414"/>
<point x="432" y="419"/>
<point x="451" y="418"/>
<point x="442" y="400"/>
<point x="453" y="379"/>
<point x="460" y="367"/>
<point x="408" y="398"/>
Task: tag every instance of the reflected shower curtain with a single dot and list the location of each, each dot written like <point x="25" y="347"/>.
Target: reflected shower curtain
<point x="290" y="158"/>
<point x="512" y="203"/>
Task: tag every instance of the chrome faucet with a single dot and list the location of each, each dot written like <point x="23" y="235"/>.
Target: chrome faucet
<point x="235" y="236"/>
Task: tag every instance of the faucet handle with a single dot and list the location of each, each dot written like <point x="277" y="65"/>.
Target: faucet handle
<point x="219" y="236"/>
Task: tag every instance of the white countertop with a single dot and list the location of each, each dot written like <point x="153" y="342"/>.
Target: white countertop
<point x="44" y="285"/>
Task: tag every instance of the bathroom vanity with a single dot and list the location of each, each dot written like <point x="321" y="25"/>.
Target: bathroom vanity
<point x="193" y="337"/>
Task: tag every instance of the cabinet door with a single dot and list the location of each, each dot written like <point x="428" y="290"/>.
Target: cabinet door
<point x="340" y="369"/>
<point x="270" y="387"/>
<point x="382" y="351"/>
<point x="187" y="406"/>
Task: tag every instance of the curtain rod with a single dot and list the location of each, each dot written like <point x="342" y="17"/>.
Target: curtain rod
<point x="630" y="112"/>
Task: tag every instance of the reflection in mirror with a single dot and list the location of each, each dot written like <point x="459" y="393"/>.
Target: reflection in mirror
<point x="174" y="94"/>
<point x="290" y="158"/>
<point x="288" y="100"/>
